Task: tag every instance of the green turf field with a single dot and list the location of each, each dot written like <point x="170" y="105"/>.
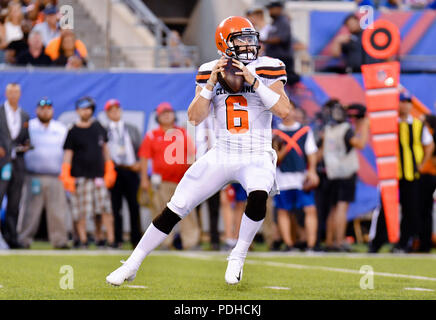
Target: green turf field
<point x="200" y="276"/>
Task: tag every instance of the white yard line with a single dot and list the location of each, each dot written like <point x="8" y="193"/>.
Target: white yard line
<point x="278" y="288"/>
<point x="135" y="287"/>
<point x="342" y="270"/>
<point x="419" y="289"/>
<point x="322" y="268"/>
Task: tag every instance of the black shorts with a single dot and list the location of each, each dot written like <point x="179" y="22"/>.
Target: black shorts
<point x="341" y="190"/>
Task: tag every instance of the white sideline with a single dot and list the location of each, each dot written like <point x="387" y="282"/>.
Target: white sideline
<point x="216" y="254"/>
<point x="322" y="268"/>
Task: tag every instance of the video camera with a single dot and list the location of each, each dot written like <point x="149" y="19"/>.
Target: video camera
<point x="334" y="111"/>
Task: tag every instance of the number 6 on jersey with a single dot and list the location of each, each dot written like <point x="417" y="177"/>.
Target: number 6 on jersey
<point x="237" y="120"/>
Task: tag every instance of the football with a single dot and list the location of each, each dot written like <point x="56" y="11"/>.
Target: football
<point x="229" y="81"/>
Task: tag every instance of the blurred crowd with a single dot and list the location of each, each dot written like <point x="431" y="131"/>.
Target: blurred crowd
<point x="386" y="5"/>
<point x="31" y="35"/>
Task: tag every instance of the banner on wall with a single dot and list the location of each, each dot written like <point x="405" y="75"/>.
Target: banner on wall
<point x="139" y="93"/>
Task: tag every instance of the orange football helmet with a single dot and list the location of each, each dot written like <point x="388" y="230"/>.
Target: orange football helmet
<point x="236" y="37"/>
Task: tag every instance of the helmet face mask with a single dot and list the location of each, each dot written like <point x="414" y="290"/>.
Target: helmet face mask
<point x="235" y="37"/>
<point x="244" y="46"/>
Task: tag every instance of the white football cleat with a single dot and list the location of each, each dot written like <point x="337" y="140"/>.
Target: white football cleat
<point x="123" y="273"/>
<point x="234" y="270"/>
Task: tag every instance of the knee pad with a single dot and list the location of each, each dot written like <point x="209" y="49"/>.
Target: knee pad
<point x="256" y="205"/>
<point x="166" y="221"/>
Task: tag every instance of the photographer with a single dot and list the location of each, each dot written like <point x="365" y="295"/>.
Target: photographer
<point x="341" y="164"/>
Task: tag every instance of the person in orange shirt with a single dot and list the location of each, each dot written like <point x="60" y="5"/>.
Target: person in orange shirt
<point x="168" y="169"/>
<point x="61" y="49"/>
<point x="428" y="187"/>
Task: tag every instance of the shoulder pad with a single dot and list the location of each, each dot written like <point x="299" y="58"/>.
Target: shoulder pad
<point x="204" y="71"/>
<point x="270" y="68"/>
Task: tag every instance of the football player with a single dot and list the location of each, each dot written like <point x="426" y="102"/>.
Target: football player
<point x="243" y="151"/>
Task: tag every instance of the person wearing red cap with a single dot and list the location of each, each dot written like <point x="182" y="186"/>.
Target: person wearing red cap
<point x="124" y="142"/>
<point x="168" y="171"/>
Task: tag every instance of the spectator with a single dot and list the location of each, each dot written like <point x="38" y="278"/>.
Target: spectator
<point x="341" y="162"/>
<point x="427" y="187"/>
<point x="44" y="189"/>
<point x="177" y="53"/>
<point x="296" y="158"/>
<point x="392" y="5"/>
<point x="87" y="171"/>
<point x="30" y="10"/>
<point x="34" y="55"/>
<point x="14" y="123"/>
<point x="124" y="142"/>
<point x="5" y="175"/>
<point x="64" y="47"/>
<point x="11" y="30"/>
<point x="17" y="42"/>
<point x="322" y="202"/>
<point x="49" y="29"/>
<point x="349" y="46"/>
<point x="67" y="50"/>
<point x="416" y="148"/>
<point x="257" y="18"/>
<point x="167" y="171"/>
<point x="278" y="43"/>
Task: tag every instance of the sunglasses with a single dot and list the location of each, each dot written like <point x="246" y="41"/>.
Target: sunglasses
<point x="84" y="104"/>
<point x="45" y="102"/>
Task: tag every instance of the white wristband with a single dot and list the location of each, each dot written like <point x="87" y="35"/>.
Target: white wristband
<point x="268" y="97"/>
<point x="206" y="93"/>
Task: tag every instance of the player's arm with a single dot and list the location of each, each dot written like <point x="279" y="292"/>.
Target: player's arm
<point x="200" y="106"/>
<point x="273" y="97"/>
<point x="283" y="106"/>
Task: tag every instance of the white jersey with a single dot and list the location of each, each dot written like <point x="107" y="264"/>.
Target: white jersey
<point x="243" y="124"/>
